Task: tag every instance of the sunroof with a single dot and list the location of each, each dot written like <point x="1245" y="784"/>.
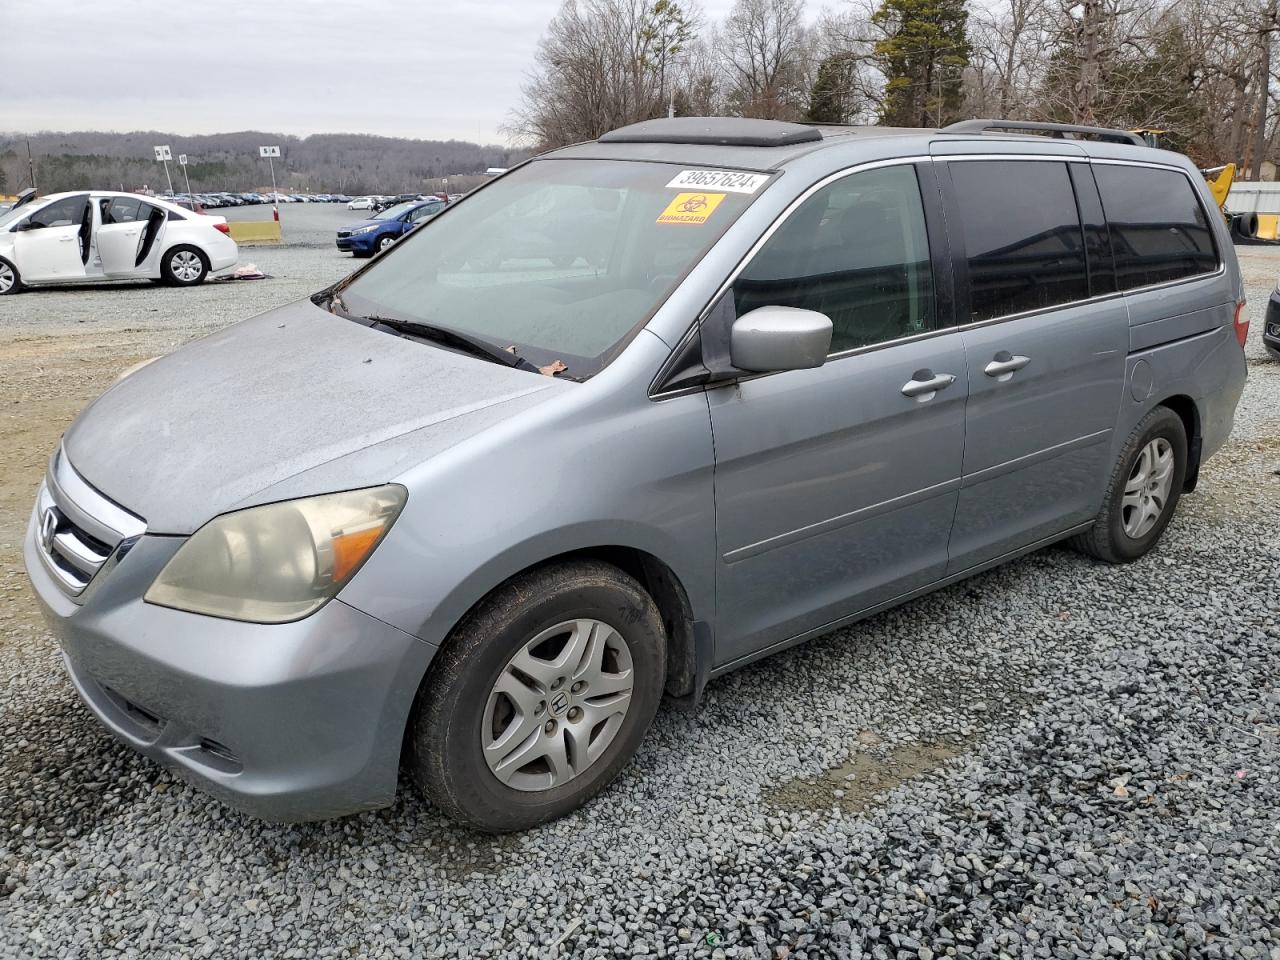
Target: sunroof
<point x="718" y="131"/>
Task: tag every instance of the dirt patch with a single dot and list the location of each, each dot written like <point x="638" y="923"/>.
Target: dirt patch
<point x="862" y="780"/>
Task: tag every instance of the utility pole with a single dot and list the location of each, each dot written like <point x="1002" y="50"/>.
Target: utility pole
<point x="31" y="166"/>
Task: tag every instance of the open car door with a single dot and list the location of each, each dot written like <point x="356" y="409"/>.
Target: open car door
<point x="53" y="243"/>
<point x="122" y="235"/>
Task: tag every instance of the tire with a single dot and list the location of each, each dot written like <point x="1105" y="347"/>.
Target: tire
<point x="184" y="266"/>
<point x="462" y="701"/>
<point x="385" y="241"/>
<point x="1121" y="533"/>
<point x="10" y="278"/>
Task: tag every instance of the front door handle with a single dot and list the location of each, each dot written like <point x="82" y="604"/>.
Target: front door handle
<point x="67" y="239"/>
<point x="1004" y="364"/>
<point x="924" y="384"/>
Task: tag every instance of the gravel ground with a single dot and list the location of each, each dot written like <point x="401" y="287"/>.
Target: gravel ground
<point x="1057" y="758"/>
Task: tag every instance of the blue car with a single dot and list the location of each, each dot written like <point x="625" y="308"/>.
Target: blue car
<point x="367" y="237"/>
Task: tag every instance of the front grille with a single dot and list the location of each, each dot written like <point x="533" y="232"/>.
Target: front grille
<point x="78" y="530"/>
<point x="343" y="234"/>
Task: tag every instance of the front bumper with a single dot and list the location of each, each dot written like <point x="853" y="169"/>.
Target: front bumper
<point x="1271" y="325"/>
<point x="359" y="243"/>
<point x="287" y="722"/>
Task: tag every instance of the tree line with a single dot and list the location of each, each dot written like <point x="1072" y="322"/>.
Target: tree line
<point x="1202" y="71"/>
<point x="327" y="163"/>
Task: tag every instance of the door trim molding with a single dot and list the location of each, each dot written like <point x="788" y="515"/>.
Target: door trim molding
<point x="1018" y="463"/>
<point x="842" y="520"/>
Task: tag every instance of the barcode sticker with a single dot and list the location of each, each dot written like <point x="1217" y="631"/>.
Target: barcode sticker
<point x="731" y="180"/>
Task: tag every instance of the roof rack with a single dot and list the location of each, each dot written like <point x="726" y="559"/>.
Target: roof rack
<point x="1059" y="130"/>
<point x="720" y="131"/>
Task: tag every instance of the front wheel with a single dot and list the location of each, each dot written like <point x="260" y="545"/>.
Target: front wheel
<point x="385" y="241"/>
<point x="540" y="697"/>
<point x="1143" y="491"/>
<point x="184" y="267"/>
<point x="10" y="279"/>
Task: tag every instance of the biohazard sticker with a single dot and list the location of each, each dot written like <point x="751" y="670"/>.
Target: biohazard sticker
<point x="731" y="181"/>
<point x="691" y="208"/>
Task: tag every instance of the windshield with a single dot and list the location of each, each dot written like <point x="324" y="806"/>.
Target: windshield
<point x="561" y="259"/>
<point x="392" y="212"/>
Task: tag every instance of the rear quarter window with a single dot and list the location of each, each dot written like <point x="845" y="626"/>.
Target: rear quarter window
<point x="1159" y="229"/>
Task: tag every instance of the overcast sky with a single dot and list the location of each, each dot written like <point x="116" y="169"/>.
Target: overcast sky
<point x="427" y="69"/>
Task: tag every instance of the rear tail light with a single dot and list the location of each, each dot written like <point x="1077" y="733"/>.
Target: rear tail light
<point x="1241" y="324"/>
<point x="224" y="228"/>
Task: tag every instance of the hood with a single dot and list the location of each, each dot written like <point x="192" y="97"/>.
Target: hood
<point x="252" y="413"/>
<point x="366" y="223"/>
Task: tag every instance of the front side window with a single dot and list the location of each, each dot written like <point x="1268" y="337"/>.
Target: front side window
<point x="856" y="251"/>
<point x="67" y="212"/>
<point x="1022" y="235"/>
<point x="560" y="259"/>
<point x="1159" y="231"/>
<point x="426" y="210"/>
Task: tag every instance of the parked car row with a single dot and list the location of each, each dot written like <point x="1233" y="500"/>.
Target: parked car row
<point x="191" y="201"/>
<point x="380" y="202"/>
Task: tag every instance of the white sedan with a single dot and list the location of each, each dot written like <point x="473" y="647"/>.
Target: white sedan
<point x="363" y="203"/>
<point x="100" y="235"/>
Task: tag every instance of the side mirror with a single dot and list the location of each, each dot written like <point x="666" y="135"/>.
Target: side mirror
<point x="769" y="339"/>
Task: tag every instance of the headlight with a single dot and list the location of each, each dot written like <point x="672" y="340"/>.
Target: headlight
<point x="278" y="562"/>
<point x="368" y="229"/>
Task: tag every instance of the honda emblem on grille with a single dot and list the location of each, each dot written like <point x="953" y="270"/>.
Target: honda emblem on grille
<point x="48" y="528"/>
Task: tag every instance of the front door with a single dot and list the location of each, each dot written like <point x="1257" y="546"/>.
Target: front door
<point x="54" y="241"/>
<point x="1046" y="355"/>
<point x="835" y="487"/>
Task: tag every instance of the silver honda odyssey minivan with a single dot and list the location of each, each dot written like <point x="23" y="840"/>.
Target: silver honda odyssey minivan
<point x="636" y="413"/>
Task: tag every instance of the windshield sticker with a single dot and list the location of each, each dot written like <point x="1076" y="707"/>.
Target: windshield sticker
<point x="691" y="208"/>
<point x="729" y="180"/>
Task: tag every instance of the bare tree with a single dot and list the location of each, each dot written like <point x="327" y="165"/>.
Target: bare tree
<point x="602" y="64"/>
<point x="767" y="58"/>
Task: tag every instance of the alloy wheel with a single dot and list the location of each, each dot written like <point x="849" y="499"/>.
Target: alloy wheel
<point x="186" y="266"/>
<point x="7" y="278"/>
<point x="557" y="705"/>
<point x="1147" y="491"/>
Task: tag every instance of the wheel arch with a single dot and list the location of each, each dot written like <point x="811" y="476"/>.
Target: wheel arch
<point x="689" y="651"/>
<point x="1189" y="413"/>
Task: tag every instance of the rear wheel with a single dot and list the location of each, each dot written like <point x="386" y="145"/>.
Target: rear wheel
<point x="10" y="279"/>
<point x="540" y="697"/>
<point x="184" y="267"/>
<point x="1143" y="491"/>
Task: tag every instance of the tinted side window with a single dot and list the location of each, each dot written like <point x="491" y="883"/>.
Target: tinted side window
<point x="1159" y="231"/>
<point x="857" y="251"/>
<point x="1022" y="235"/>
<point x="120" y="210"/>
<point x="64" y="213"/>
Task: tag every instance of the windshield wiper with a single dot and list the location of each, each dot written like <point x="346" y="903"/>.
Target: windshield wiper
<point x="451" y="338"/>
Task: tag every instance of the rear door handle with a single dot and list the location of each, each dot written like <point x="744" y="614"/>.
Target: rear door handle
<point x="1004" y="364"/>
<point x="924" y="384"/>
<point x="67" y="239"/>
